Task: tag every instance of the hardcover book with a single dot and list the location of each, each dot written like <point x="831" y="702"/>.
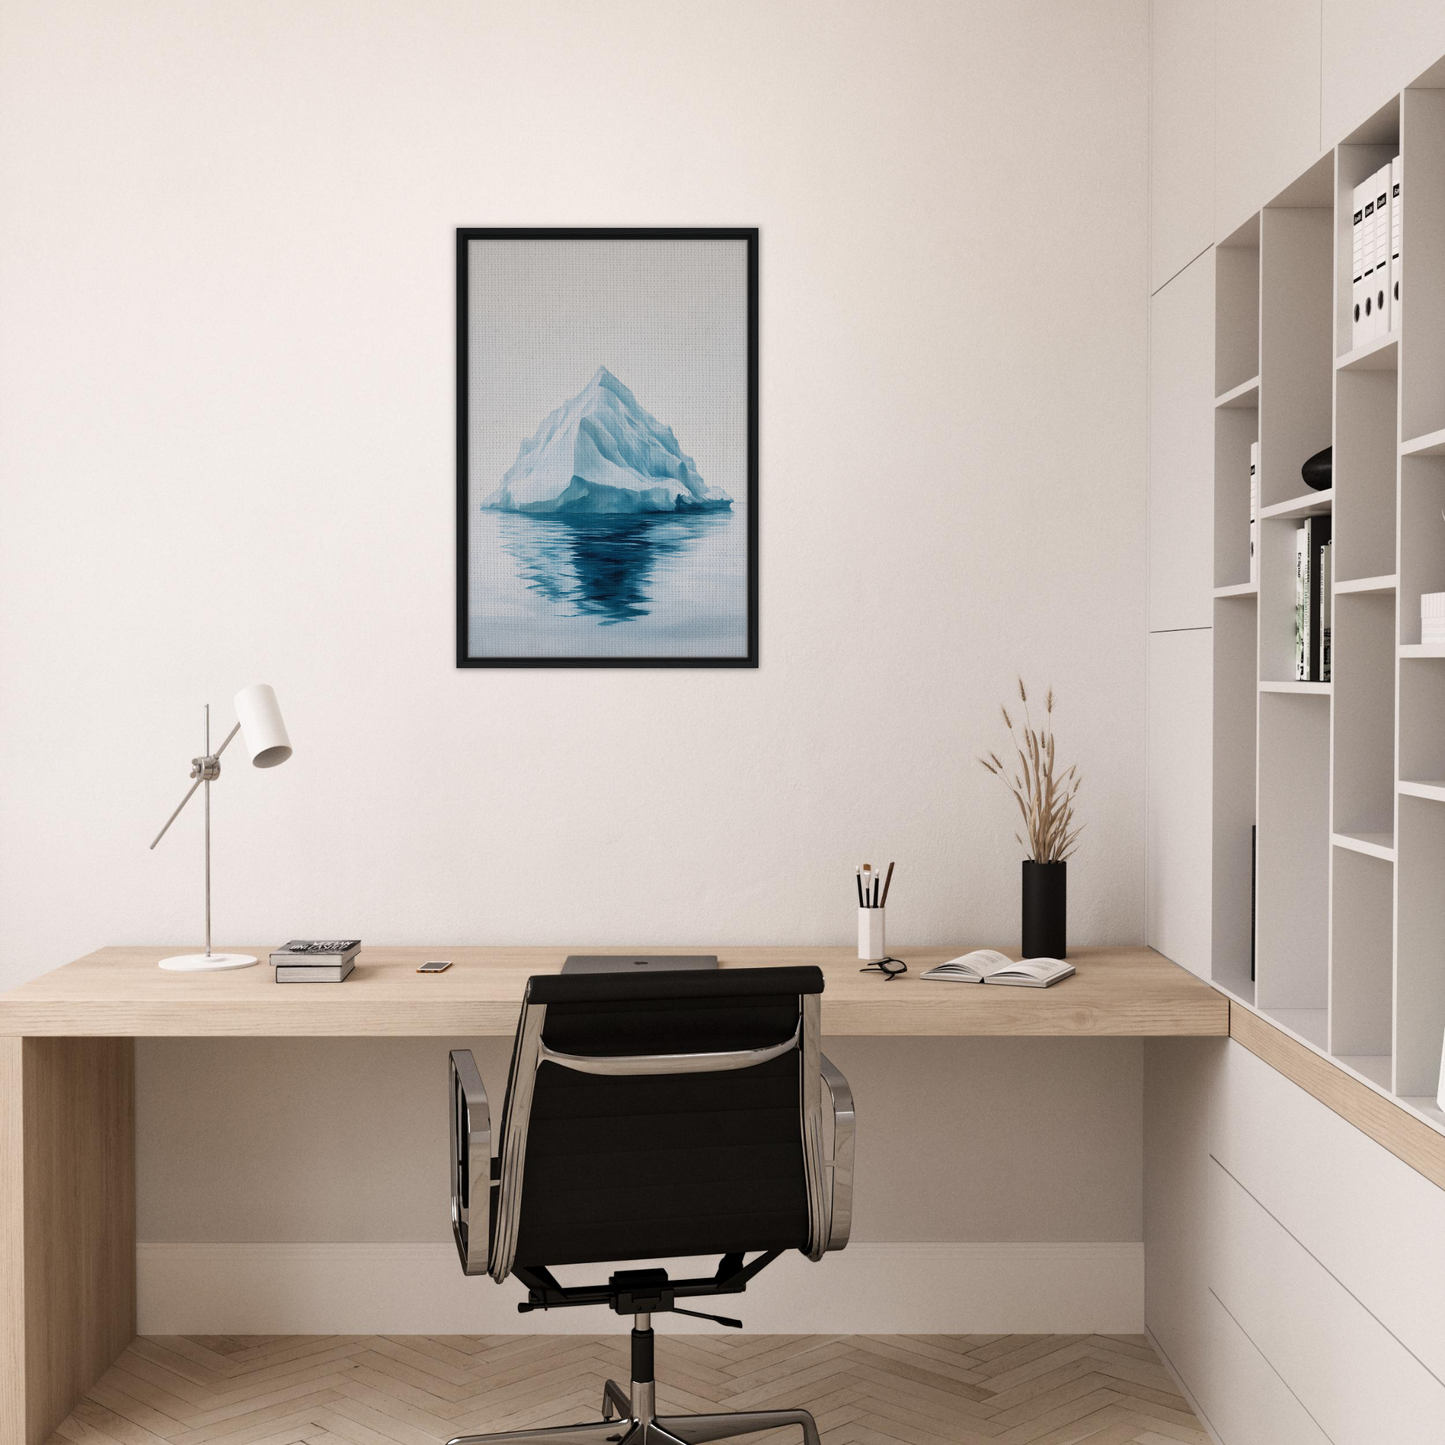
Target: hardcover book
<point x="311" y="952"/>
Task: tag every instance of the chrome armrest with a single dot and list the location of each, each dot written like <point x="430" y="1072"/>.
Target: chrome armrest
<point x="840" y="1166"/>
<point x="471" y="1126"/>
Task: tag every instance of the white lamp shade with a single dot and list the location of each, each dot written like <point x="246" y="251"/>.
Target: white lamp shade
<point x="262" y="730"/>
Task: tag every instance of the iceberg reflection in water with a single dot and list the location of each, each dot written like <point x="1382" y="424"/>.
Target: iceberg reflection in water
<point x="598" y="585"/>
<point x="602" y="566"/>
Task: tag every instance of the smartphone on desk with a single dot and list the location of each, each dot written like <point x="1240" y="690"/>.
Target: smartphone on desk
<point x="435" y="965"/>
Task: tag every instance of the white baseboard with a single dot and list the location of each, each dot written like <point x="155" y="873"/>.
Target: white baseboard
<point x="306" y="1289"/>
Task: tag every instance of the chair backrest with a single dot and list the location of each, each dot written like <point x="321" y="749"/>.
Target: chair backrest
<point x="662" y="1115"/>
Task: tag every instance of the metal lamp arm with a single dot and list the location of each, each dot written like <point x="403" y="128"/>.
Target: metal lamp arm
<point x="203" y="770"/>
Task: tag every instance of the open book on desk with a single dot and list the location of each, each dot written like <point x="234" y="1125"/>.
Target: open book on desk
<point x="987" y="965"/>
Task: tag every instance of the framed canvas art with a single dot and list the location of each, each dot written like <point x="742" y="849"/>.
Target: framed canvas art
<point x="607" y="448"/>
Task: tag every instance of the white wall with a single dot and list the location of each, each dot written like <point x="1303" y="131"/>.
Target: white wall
<point x="226" y="364"/>
<point x="226" y="359"/>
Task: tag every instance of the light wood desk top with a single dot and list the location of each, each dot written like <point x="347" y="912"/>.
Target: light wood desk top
<point x="119" y="992"/>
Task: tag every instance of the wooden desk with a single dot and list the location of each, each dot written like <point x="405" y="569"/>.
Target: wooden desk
<point x="119" y="992"/>
<point x="67" y="1090"/>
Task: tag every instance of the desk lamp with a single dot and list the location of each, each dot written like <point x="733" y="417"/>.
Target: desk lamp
<point x="258" y="720"/>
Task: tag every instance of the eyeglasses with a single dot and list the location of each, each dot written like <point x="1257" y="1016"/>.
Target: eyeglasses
<point x="890" y="968"/>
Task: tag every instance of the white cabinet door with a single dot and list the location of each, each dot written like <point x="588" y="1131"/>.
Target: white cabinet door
<point x="1358" y="1382"/>
<point x="1266" y="102"/>
<point x="1178" y="901"/>
<point x="1370" y="52"/>
<point x="1181" y="134"/>
<point x="1366" y="1216"/>
<point x="1246" y="1401"/>
<point x="1181" y="450"/>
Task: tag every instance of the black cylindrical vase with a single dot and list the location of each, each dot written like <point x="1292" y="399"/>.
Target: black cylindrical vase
<point x="1046" y="909"/>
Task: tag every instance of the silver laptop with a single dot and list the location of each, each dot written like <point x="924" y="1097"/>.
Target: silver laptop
<point x="637" y="962"/>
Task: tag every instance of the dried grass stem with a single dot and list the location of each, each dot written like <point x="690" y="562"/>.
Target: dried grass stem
<point x="1045" y="797"/>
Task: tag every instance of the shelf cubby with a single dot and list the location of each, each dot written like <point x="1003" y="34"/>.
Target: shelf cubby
<point x="1422" y="254"/>
<point x="1235" y="429"/>
<point x="1420" y="962"/>
<point x="1236" y="313"/>
<point x="1422" y="720"/>
<point x="1364" y="703"/>
<point x="1277" y="602"/>
<point x="1362" y="902"/>
<point x="1236" y="706"/>
<point x="1365" y="459"/>
<point x="1296" y="368"/>
<point x="1422" y="537"/>
<point x="1294" y="852"/>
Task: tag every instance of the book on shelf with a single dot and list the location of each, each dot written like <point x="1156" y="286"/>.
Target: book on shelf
<point x="1301" y="607"/>
<point x="1311" y="538"/>
<point x="1326" y="606"/>
<point x="314" y="972"/>
<point x="1254" y="513"/>
<point x="988" y="965"/>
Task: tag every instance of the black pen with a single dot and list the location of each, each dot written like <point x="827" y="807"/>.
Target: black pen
<point x="858" y="879"/>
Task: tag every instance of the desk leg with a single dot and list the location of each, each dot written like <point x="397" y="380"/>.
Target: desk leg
<point x="67" y="1224"/>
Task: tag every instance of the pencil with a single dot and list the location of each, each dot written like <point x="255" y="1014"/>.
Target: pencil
<point x="887" y="883"/>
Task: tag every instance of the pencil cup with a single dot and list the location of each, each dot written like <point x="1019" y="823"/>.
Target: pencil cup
<point x="870" y="934"/>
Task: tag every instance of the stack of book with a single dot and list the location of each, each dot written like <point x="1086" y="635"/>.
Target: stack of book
<point x="1312" y="601"/>
<point x="1375" y="272"/>
<point x="315" y="960"/>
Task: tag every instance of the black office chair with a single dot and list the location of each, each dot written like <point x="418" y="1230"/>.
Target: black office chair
<point x="650" y="1117"/>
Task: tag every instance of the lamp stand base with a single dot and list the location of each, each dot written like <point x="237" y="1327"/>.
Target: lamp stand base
<point x="206" y="962"/>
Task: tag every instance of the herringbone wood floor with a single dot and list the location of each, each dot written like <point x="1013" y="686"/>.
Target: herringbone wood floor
<point x="418" y="1390"/>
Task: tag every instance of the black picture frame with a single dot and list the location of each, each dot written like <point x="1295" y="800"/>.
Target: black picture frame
<point x="464" y="237"/>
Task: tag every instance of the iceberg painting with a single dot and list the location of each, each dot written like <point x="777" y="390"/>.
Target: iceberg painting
<point x="600" y="454"/>
<point x="594" y="530"/>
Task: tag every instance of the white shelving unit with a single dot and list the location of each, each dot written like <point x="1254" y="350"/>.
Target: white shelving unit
<point x="1344" y="781"/>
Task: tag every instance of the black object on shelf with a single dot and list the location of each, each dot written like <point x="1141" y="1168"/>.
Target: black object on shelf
<point x="1319" y="471"/>
<point x="1046" y="908"/>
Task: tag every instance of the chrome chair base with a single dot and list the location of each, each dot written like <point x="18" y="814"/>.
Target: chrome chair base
<point x="642" y="1427"/>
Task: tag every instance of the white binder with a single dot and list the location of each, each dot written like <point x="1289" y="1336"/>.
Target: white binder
<point x="1357" y="268"/>
<point x="1382" y="251"/>
<point x="1367" y="324"/>
<point x="1396" y="224"/>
